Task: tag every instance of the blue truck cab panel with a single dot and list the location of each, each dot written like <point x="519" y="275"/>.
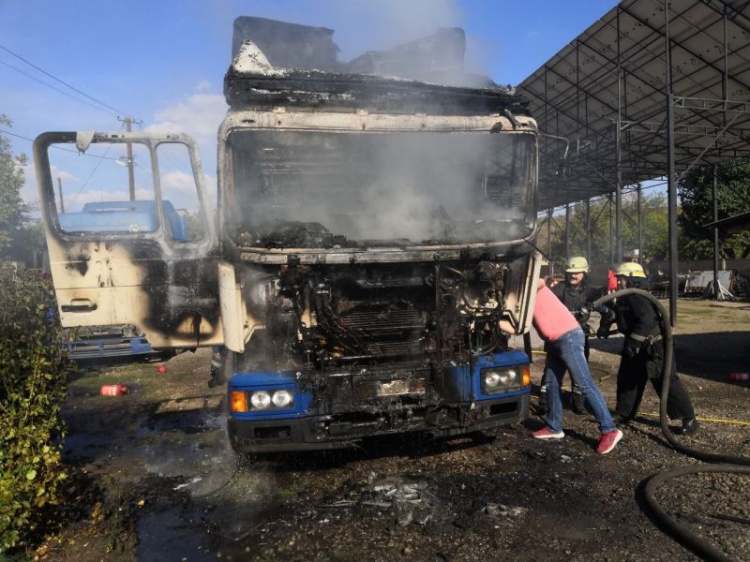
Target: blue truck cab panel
<point x="124" y="216"/>
<point x="102" y="343"/>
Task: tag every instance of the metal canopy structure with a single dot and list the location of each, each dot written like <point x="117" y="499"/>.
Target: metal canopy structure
<point x="606" y="94"/>
<point x="650" y="90"/>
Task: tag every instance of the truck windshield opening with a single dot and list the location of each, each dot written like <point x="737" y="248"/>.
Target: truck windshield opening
<point x="338" y="190"/>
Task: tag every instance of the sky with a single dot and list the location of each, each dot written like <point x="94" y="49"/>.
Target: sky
<point x="163" y="63"/>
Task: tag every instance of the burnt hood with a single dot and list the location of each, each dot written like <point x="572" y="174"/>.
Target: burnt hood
<point x="277" y="63"/>
<point x="437" y="58"/>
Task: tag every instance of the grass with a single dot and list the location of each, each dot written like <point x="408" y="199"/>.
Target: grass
<point x="689" y="313"/>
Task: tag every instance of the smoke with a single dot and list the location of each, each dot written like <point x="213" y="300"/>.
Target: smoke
<point x="360" y="25"/>
<point x="364" y="37"/>
<point x="363" y="25"/>
<point x="420" y="187"/>
<point x="199" y="116"/>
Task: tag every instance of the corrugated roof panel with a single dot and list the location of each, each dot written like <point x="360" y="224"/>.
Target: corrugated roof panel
<point x="575" y="94"/>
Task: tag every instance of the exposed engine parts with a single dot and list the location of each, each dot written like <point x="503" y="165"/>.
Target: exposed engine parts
<point x="320" y="318"/>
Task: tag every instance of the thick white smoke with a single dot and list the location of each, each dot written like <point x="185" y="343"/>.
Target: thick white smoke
<point x="365" y="25"/>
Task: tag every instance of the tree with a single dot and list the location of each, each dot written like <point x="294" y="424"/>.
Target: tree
<point x="655" y="227"/>
<point x="695" y="190"/>
<point x="12" y="209"/>
<point x="655" y="239"/>
<point x="29" y="244"/>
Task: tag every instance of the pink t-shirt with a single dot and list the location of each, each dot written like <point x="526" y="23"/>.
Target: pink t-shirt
<point x="551" y="318"/>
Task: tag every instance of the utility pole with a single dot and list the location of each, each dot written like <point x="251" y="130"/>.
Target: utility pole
<point x="59" y="190"/>
<point x="130" y="163"/>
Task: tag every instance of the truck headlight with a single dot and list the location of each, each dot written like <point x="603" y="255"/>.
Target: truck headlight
<point x="496" y="380"/>
<point x="270" y="399"/>
<point x="282" y="398"/>
<point x="260" y="400"/>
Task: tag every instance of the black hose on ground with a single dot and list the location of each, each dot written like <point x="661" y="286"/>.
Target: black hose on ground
<point x="734" y="464"/>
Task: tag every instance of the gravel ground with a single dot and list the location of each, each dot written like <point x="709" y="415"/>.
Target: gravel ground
<point x="165" y="463"/>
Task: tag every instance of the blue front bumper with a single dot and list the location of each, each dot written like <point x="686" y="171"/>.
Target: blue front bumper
<point x="337" y="409"/>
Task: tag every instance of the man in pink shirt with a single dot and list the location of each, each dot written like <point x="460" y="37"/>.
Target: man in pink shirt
<point x="565" y="340"/>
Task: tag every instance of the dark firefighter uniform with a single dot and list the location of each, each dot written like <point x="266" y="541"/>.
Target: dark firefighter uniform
<point x="642" y="356"/>
<point x="578" y="301"/>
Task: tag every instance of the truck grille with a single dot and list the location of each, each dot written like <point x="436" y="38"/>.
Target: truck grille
<point x="387" y="332"/>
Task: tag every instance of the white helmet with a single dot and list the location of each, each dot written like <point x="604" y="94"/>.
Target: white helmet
<point x="577" y="264"/>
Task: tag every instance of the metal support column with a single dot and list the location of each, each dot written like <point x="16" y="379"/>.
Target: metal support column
<point x="618" y="153"/>
<point x="567" y="232"/>
<point x="639" y="200"/>
<point x="717" y="291"/>
<point x="588" y="230"/>
<point x="610" y="204"/>
<point x="671" y="187"/>
<point x="725" y="70"/>
<point x="549" y="238"/>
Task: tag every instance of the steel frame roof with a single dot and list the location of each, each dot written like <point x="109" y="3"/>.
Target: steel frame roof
<point x="606" y="97"/>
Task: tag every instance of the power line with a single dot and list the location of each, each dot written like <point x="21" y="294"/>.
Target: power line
<point x="19" y="57"/>
<point x="63" y="92"/>
<point x="91" y="175"/>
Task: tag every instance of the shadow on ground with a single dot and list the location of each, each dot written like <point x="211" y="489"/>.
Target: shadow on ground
<point x="709" y="356"/>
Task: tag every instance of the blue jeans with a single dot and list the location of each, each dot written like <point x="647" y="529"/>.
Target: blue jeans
<point x="566" y="353"/>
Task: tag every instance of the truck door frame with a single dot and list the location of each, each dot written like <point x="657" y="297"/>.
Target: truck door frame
<point x="168" y="288"/>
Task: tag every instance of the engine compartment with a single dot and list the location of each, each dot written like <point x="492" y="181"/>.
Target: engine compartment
<point x="323" y="318"/>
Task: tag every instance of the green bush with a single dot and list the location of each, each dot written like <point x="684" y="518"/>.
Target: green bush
<point x="33" y="374"/>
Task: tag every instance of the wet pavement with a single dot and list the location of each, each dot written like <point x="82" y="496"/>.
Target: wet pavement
<point x="168" y="463"/>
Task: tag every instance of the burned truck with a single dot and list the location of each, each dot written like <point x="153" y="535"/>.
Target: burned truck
<point x="373" y="227"/>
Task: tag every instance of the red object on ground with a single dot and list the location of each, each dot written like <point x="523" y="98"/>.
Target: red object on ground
<point x="113" y="390"/>
<point x="161" y="369"/>
<point x="739" y="376"/>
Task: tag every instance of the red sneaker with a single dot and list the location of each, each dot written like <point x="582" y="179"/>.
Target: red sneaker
<point x="546" y="433"/>
<point x="608" y="441"/>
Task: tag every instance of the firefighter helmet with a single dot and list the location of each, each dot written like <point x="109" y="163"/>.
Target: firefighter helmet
<point x="577" y="264"/>
<point x="630" y="269"/>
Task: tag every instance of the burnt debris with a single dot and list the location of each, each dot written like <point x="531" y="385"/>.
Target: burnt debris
<point x="288" y="45"/>
<point x="292" y="234"/>
<point x="321" y="318"/>
<point x="426" y="75"/>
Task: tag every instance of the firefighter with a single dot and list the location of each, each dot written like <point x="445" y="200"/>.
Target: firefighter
<point x="577" y="295"/>
<point x="642" y="356"/>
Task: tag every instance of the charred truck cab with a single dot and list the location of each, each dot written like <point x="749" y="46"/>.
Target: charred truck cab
<point x="372" y="233"/>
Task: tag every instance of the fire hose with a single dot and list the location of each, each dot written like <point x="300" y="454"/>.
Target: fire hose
<point x="729" y="463"/>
